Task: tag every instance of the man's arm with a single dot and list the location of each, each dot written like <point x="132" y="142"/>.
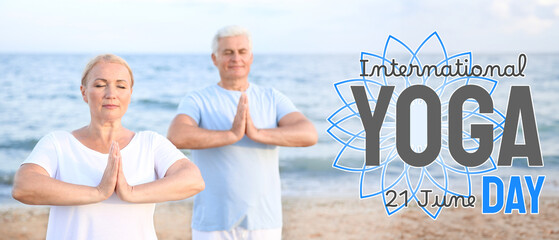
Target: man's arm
<point x="184" y="132"/>
<point x="294" y="130"/>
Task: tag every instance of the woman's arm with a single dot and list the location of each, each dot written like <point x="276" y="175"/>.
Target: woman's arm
<point x="33" y="185"/>
<point x="182" y="180"/>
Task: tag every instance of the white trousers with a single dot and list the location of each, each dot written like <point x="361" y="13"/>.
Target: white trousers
<point x="238" y="233"/>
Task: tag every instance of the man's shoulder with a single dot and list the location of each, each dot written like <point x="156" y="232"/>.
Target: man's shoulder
<point x="203" y="92"/>
<point x="210" y="88"/>
<point x="263" y="89"/>
<point x="268" y="92"/>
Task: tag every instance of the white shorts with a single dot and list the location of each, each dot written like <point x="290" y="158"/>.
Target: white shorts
<point x="238" y="233"/>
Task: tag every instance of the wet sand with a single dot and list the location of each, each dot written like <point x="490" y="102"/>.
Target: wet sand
<point x="336" y="218"/>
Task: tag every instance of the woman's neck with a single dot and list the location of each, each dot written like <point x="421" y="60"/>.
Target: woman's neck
<point x="99" y="137"/>
<point x="105" y="131"/>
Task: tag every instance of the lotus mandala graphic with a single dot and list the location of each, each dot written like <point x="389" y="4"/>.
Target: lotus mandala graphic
<point x="445" y="177"/>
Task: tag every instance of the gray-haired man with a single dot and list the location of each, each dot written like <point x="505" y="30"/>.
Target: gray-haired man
<point x="235" y="128"/>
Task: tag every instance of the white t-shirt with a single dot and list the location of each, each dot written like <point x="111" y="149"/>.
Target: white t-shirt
<point x="145" y="159"/>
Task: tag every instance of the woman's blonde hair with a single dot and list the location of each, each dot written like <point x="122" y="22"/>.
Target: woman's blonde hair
<point x="107" y="58"/>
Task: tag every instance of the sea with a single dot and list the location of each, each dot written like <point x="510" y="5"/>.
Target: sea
<point x="40" y="93"/>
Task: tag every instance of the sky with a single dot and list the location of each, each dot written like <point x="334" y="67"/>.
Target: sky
<point x="289" y="26"/>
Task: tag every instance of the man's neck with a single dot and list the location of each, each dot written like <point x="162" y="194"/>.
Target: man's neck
<point x="234" y="85"/>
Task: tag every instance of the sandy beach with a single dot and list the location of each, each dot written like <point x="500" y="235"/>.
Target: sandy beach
<point x="336" y="218"/>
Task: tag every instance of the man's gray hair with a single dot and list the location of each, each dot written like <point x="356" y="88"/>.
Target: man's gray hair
<point x="230" y="31"/>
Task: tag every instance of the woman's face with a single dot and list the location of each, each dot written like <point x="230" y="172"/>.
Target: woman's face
<point x="107" y="92"/>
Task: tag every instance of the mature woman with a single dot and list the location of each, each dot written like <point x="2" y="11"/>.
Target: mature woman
<point x="104" y="179"/>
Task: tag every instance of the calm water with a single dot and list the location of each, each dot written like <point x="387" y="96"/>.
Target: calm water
<point x="40" y="94"/>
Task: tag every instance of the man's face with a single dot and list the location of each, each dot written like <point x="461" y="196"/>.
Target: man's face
<point x="233" y="57"/>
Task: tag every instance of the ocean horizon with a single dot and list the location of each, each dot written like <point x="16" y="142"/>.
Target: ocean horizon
<point x="40" y="94"/>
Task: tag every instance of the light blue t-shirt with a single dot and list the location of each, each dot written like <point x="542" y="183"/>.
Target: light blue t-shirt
<point x="242" y="180"/>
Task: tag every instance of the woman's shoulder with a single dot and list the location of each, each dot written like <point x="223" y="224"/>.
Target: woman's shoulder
<point x="150" y="135"/>
<point x="150" y="140"/>
<point x="57" y="135"/>
<point x="52" y="139"/>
